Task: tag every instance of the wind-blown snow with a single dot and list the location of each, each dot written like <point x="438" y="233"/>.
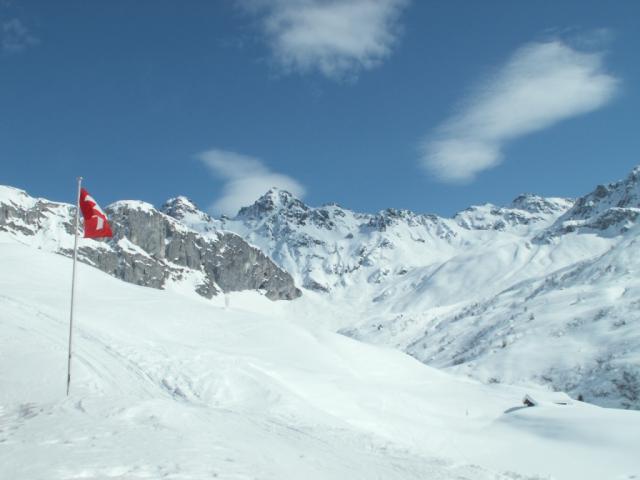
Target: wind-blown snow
<point x="173" y="386"/>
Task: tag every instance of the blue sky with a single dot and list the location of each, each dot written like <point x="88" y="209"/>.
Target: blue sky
<point x="425" y="105"/>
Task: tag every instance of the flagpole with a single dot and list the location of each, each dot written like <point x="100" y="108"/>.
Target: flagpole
<point x="73" y="282"/>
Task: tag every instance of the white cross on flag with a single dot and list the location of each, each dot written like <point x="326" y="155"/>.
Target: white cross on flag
<point x="95" y="220"/>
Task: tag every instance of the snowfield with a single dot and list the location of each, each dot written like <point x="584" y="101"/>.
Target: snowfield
<point x="543" y="291"/>
<point x="168" y="384"/>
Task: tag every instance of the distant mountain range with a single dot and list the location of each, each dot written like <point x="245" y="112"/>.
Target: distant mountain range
<point x="544" y="290"/>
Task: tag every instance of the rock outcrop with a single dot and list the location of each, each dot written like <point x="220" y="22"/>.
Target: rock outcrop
<point x="607" y="211"/>
<point x="149" y="248"/>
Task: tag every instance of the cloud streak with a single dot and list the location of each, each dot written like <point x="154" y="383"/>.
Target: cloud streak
<point x="540" y="85"/>
<point x="15" y="37"/>
<point x="245" y="179"/>
<point x="338" y="38"/>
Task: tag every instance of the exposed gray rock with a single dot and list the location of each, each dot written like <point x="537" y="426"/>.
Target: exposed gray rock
<point x="607" y="211"/>
<point x="276" y="201"/>
<point x="149" y="247"/>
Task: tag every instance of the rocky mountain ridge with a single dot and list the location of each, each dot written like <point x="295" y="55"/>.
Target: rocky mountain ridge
<point x="332" y="247"/>
<point x="148" y="248"/>
<point x="609" y="210"/>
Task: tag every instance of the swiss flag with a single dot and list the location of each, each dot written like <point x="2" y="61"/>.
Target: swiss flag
<point x="95" y="221"/>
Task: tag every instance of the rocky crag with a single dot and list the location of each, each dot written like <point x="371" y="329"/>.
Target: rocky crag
<point x="149" y="248"/>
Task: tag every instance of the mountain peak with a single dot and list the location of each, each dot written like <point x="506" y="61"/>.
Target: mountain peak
<point x="131" y="205"/>
<point x="181" y="200"/>
<point x="609" y="209"/>
<point x="537" y="204"/>
<point x="178" y="207"/>
<point x="622" y="194"/>
<point x="275" y="199"/>
<point x="14" y="196"/>
<point x="279" y="196"/>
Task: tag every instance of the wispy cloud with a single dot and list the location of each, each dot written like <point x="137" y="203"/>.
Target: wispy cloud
<point x="337" y="38"/>
<point x="15" y="37"/>
<point x="246" y="179"/>
<point x="540" y="85"/>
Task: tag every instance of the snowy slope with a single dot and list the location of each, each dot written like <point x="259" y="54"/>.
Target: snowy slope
<point x="577" y="329"/>
<point x="171" y="385"/>
<point x="453" y="292"/>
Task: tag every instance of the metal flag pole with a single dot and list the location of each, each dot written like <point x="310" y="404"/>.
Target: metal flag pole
<point x="73" y="282"/>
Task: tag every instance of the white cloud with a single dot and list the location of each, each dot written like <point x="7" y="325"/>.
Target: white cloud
<point x="15" y="37"/>
<point x="539" y="86"/>
<point x="246" y="179"/>
<point x="338" y="38"/>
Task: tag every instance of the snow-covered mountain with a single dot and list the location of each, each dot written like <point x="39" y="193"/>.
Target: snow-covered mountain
<point x="148" y="248"/>
<point x="459" y="292"/>
<point x="330" y="247"/>
<point x="577" y="328"/>
<point x="609" y="210"/>
<point x="540" y="291"/>
<point x="172" y="385"/>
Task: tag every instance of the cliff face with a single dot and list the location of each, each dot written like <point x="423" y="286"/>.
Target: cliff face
<point x="149" y="248"/>
<point x="608" y="211"/>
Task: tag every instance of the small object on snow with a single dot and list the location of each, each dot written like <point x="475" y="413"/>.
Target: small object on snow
<point x="529" y="401"/>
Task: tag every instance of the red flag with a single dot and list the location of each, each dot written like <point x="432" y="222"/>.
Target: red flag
<point x="95" y="221"/>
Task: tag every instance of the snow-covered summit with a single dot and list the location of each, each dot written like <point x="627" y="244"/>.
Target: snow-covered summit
<point x="14" y="196"/>
<point x="608" y="210"/>
<point x="275" y="201"/>
<point x="526" y="214"/>
<point x="622" y="194"/>
<point x="278" y="206"/>
<point x="178" y="207"/>
<point x="187" y="212"/>
<point x="331" y="247"/>
<point x="541" y="205"/>
<point x="131" y="205"/>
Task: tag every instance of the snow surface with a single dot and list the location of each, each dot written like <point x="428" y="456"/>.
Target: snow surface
<point x="15" y="196"/>
<point x="132" y="205"/>
<point x="495" y="293"/>
<point x="167" y="384"/>
<point x="456" y="292"/>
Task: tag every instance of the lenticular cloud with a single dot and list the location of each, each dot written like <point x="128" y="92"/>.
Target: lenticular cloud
<point x="539" y="86"/>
